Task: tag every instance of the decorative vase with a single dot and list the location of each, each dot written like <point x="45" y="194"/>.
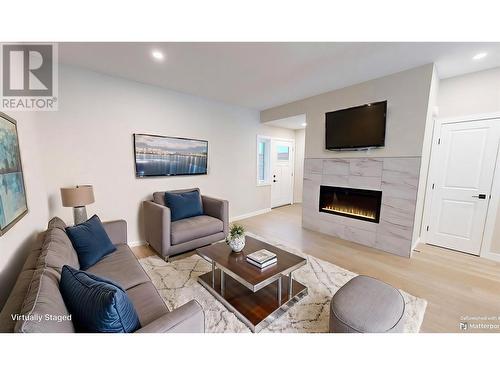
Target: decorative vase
<point x="236" y="243"/>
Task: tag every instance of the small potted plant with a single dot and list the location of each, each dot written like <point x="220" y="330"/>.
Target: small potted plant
<point x="236" y="238"/>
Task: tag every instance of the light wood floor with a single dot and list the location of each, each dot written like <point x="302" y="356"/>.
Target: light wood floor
<point x="455" y="285"/>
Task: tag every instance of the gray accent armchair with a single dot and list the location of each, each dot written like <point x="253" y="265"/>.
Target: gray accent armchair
<point x="170" y="238"/>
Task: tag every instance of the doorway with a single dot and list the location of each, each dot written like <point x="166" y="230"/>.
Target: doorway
<point x="462" y="169"/>
<point x="282" y="172"/>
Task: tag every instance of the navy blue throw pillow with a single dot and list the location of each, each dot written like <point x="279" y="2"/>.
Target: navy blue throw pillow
<point x="90" y="241"/>
<point x="184" y="205"/>
<point x="97" y="304"/>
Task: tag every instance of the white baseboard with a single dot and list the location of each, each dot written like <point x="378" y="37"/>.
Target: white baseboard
<point x="136" y="243"/>
<point x="250" y="214"/>
<point x="491" y="256"/>
<point x="415" y="244"/>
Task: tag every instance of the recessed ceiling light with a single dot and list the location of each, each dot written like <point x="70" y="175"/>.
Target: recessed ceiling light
<point x="304" y="124"/>
<point x="158" y="55"/>
<point x="480" y="56"/>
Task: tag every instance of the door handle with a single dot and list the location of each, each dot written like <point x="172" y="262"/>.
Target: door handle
<point x="480" y="196"/>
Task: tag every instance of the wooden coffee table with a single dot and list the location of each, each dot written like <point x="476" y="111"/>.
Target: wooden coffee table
<point x="257" y="297"/>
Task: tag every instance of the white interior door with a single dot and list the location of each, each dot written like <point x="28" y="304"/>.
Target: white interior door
<point x="463" y="167"/>
<point x="282" y="163"/>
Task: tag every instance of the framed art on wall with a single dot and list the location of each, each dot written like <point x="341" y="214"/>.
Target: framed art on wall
<point x="13" y="204"/>
<point x="157" y="155"/>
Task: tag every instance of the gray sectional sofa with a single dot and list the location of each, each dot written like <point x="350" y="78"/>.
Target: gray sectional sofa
<point x="171" y="238"/>
<point x="36" y="305"/>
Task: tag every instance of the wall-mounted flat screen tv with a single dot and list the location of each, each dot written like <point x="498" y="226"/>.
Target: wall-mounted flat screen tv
<point x="357" y="127"/>
<point x="168" y="156"/>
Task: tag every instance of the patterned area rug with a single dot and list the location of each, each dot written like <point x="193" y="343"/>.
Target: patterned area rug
<point x="177" y="283"/>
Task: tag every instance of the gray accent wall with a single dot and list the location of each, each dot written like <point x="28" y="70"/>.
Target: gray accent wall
<point x="410" y="99"/>
<point x="396" y="177"/>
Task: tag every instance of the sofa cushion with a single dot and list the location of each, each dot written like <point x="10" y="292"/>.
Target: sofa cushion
<point x="117" y="231"/>
<point x="122" y="267"/>
<point x="31" y="262"/>
<point x="90" y="241"/>
<point x="16" y="298"/>
<point x="147" y="302"/>
<point x="43" y="310"/>
<point x="194" y="227"/>
<point x="97" y="304"/>
<point x="184" y="205"/>
<point x="57" y="250"/>
<point x="56" y="222"/>
<point x="15" y="301"/>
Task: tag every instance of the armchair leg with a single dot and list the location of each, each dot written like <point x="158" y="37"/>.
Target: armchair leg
<point x="166" y="258"/>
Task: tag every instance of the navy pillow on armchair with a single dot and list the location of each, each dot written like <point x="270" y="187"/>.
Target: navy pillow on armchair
<point x="97" y="304"/>
<point x="184" y="205"/>
<point x="90" y="241"/>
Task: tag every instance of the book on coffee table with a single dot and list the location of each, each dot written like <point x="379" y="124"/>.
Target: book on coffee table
<point x="261" y="256"/>
<point x="265" y="264"/>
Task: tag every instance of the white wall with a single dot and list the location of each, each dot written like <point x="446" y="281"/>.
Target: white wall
<point x="16" y="243"/>
<point x="300" y="140"/>
<point x="407" y="94"/>
<point x="89" y="141"/>
<point x="475" y="93"/>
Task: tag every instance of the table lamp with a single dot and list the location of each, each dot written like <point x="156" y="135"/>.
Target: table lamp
<point x="78" y="197"/>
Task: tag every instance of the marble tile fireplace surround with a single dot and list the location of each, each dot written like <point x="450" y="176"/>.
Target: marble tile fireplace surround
<point x="350" y="188"/>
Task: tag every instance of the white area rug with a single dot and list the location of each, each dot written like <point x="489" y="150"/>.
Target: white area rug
<point x="177" y="283"/>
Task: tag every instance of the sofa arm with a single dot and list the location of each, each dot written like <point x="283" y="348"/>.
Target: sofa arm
<point x="188" y="318"/>
<point x="117" y="231"/>
<point x="157" y="226"/>
<point x="217" y="208"/>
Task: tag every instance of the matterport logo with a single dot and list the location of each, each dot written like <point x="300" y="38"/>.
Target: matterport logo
<point x="29" y="73"/>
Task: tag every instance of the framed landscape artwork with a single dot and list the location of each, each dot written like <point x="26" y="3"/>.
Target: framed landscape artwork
<point x="169" y="156"/>
<point x="13" y="204"/>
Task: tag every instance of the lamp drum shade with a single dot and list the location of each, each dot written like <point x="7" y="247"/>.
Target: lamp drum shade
<point x="77" y="196"/>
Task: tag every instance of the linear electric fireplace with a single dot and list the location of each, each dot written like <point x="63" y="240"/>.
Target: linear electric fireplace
<point x="355" y="203"/>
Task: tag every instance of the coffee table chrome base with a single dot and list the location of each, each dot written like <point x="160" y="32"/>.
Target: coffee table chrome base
<point x="282" y="307"/>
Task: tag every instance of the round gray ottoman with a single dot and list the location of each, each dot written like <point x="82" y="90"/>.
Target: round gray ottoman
<point x="365" y="304"/>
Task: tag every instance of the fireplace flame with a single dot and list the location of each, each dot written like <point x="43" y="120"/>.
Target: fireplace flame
<point x="351" y="211"/>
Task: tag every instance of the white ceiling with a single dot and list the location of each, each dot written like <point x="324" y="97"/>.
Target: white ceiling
<point x="264" y="75"/>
